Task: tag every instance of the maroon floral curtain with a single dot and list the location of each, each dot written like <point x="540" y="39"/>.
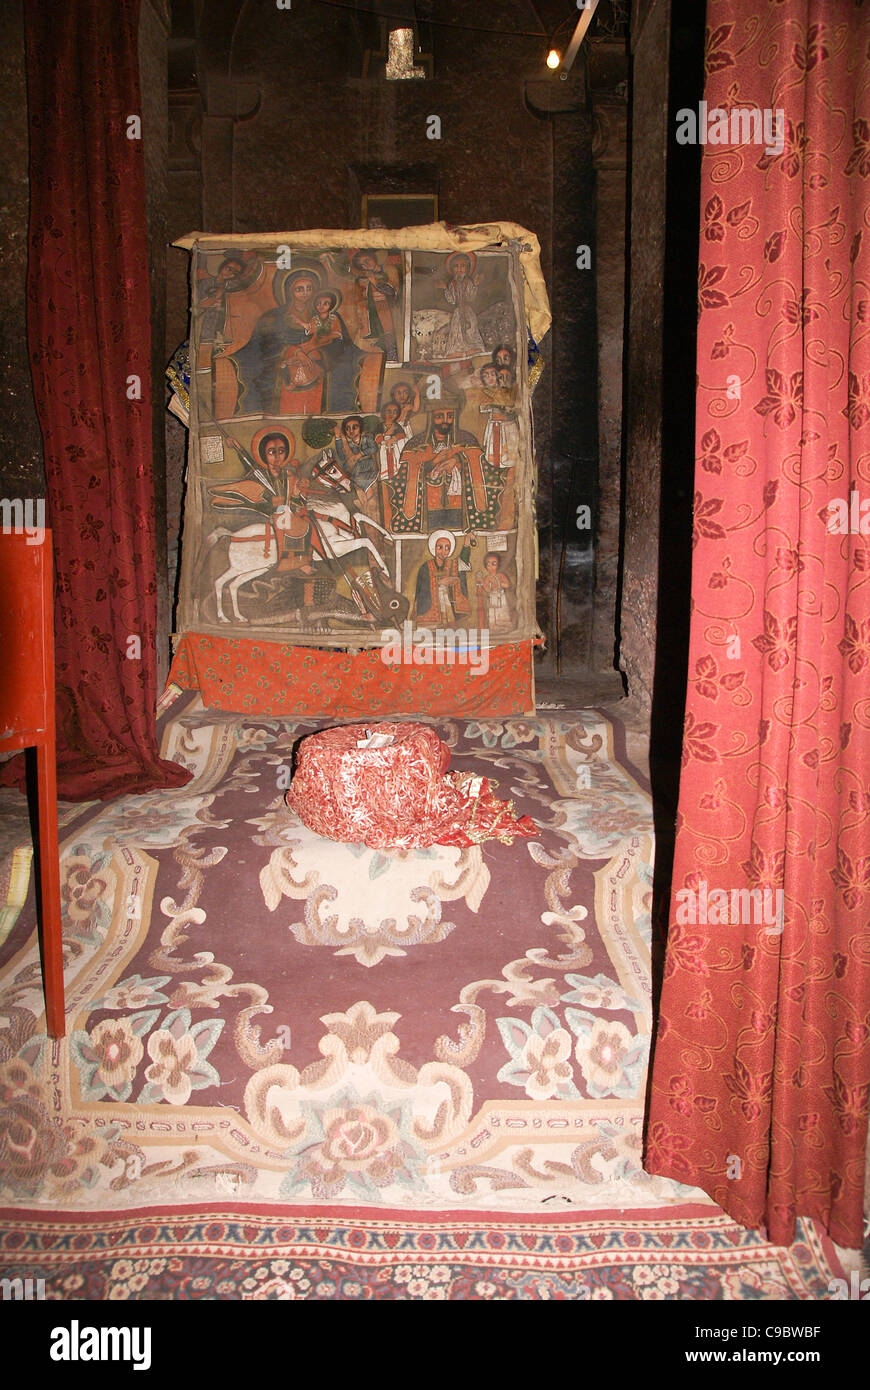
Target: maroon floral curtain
<point x="89" y="339"/>
<point x="762" y="1059"/>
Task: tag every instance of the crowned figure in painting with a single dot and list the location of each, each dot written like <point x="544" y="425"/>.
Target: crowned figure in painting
<point x="443" y="479"/>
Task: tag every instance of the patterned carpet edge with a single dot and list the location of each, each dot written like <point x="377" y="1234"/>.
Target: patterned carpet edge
<point x="246" y="1252"/>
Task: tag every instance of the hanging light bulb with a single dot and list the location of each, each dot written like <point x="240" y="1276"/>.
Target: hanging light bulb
<point x="554" y="58"/>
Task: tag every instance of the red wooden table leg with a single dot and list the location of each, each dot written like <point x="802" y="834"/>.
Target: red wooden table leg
<point x="49" y="878"/>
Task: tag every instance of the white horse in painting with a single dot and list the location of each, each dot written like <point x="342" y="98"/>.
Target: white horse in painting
<point x="253" y="550"/>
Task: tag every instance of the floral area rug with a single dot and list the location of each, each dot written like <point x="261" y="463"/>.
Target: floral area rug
<point x="257" y="1013"/>
<point x="251" y="1255"/>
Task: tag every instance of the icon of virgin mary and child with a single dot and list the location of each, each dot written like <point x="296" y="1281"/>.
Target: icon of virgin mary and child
<point x="300" y="359"/>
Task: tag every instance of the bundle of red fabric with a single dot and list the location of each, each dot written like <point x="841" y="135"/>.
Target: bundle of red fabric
<point x="387" y="786"/>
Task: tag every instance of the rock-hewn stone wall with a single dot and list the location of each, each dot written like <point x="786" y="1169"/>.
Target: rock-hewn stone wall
<point x="643" y="401"/>
<point x="282" y="119"/>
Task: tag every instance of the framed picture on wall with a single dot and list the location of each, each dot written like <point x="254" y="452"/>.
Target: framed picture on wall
<point x="393" y="210"/>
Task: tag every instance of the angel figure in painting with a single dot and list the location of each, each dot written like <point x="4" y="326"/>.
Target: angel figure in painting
<point x="213" y="292"/>
<point x="501" y="439"/>
<point x="376" y="291"/>
<point x="231" y="301"/>
<point x="460" y="291"/>
<point x="493" y="588"/>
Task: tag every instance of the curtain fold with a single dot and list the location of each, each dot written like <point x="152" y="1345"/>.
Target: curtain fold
<point x="761" y="1066"/>
<point x="89" y="337"/>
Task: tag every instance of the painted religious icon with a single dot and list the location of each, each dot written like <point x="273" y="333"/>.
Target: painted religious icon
<point x="461" y="306"/>
<point x="299" y="354"/>
<point x="441" y="596"/>
<point x="494" y="592"/>
<point x="312" y="529"/>
<point x="443" y="479"/>
<point x="297" y="342"/>
<point x="376" y="289"/>
<point x="359" y="443"/>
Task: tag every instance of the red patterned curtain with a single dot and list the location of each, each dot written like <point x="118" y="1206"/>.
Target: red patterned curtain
<point x="762" y="1060"/>
<point x="89" y="335"/>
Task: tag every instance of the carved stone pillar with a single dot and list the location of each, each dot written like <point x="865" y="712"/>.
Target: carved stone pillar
<point x="568" y="470"/>
<point x="650" y="38"/>
<point x="608" y="72"/>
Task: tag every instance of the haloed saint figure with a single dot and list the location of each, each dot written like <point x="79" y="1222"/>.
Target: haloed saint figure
<point x="460" y="291"/>
<point x="441" y="590"/>
<point x="277" y="491"/>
